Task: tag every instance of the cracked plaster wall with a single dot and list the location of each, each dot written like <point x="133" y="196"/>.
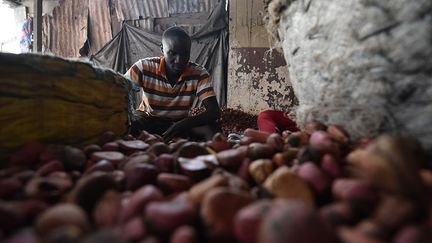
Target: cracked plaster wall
<point x="258" y="78"/>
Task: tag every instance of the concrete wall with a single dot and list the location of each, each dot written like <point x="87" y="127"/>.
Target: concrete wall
<point x="258" y="78"/>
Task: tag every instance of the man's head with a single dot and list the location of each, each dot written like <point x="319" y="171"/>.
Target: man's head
<point x="176" y="46"/>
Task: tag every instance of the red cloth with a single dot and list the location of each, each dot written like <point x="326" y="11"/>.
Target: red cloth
<point x="275" y="121"/>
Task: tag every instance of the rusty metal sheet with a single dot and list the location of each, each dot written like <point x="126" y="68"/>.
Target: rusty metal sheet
<point x="136" y="9"/>
<point x="65" y="32"/>
<point x="99" y="24"/>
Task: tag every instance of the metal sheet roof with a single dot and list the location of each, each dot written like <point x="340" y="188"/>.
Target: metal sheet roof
<point x="136" y="9"/>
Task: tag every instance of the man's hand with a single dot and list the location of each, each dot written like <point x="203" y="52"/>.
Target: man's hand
<point x="176" y="129"/>
<point x="211" y="114"/>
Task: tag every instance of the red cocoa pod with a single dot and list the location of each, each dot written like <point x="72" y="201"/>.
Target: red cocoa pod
<point x="165" y="216"/>
<point x="49" y="167"/>
<point x="284" y="183"/>
<point x="426" y="177"/>
<point x="257" y="135"/>
<point x="338" y="133"/>
<point x="313" y="126"/>
<point x="371" y="229"/>
<point x="354" y="190"/>
<point x="119" y="177"/>
<point x="331" y="166"/>
<point x="337" y="213"/>
<point x="191" y="150"/>
<point x="347" y="234"/>
<point x="143" y="135"/>
<point x="159" y="148"/>
<point x="297" y="139"/>
<point x="393" y="212"/>
<point x="60" y="175"/>
<point x="91" y="148"/>
<point x="260" y="151"/>
<point x="309" y="154"/>
<point x="73" y="158"/>
<point x="61" y="215"/>
<point x="296" y="222"/>
<point x="276" y="141"/>
<point x="413" y="234"/>
<point x="260" y="169"/>
<point x="111" y="146"/>
<point x="132" y="145"/>
<point x="112" y="156"/>
<point x="323" y="142"/>
<point x="234" y="182"/>
<point x="107" y="210"/>
<point x="246" y="140"/>
<point x="23" y="236"/>
<point x="10" y="187"/>
<point x="107" y="137"/>
<point x="64" y="234"/>
<point x="29" y="208"/>
<point x="243" y="171"/>
<point x="140" y="158"/>
<point x="219" y="143"/>
<point x="165" y="162"/>
<point x="139" y="175"/>
<point x="176" y="144"/>
<point x="231" y="158"/>
<point x="247" y="221"/>
<point x="152" y="139"/>
<point x="139" y="200"/>
<point x="195" y="169"/>
<point x="101" y="165"/>
<point x="170" y="183"/>
<point x="218" y="210"/>
<point x="198" y="191"/>
<point x="28" y="155"/>
<point x="314" y="176"/>
<point x="46" y="189"/>
<point x="185" y="234"/>
<point x="10" y="218"/>
<point x="134" y="230"/>
<point x="285" y="157"/>
<point x="24" y="176"/>
<point x="90" y="188"/>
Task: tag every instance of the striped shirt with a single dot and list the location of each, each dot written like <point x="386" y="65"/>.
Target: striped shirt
<point x="162" y="100"/>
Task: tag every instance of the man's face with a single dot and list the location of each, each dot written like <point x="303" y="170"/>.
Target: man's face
<point x="177" y="53"/>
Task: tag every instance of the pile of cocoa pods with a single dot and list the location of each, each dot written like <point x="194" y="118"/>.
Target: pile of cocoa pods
<point x="232" y="120"/>
<point x="315" y="185"/>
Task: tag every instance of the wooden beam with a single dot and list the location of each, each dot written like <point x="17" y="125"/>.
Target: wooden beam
<point x="37" y="26"/>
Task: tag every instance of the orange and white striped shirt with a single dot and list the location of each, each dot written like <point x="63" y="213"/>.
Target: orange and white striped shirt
<point x="162" y="100"/>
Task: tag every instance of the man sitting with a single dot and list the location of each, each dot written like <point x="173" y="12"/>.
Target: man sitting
<point x="170" y="85"/>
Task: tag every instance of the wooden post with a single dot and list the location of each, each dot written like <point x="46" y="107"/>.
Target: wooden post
<point x="37" y="26"/>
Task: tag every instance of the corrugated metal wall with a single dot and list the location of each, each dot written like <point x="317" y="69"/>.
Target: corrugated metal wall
<point x="100" y="31"/>
<point x="71" y="23"/>
<point x="66" y="30"/>
<point x="136" y="9"/>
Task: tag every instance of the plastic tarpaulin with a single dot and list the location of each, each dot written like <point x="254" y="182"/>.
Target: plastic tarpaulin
<point x="209" y="48"/>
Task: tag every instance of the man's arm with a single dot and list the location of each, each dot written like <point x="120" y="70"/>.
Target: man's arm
<point x="211" y="114"/>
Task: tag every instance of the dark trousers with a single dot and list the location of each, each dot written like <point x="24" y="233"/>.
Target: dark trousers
<point x="141" y="121"/>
